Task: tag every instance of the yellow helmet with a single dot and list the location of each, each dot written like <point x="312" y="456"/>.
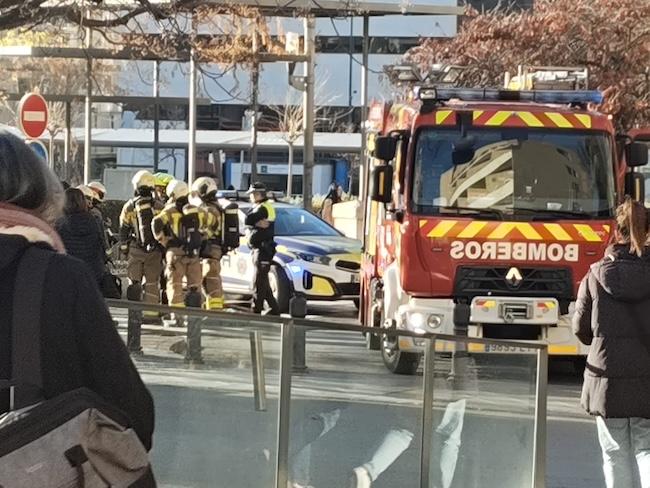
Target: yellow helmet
<point x="177" y="189"/>
<point x="99" y="189"/>
<point x="143" y="179"/>
<point x="163" y="179"/>
<point x="204" y="186"/>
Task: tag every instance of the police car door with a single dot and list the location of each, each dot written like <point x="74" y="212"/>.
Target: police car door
<point x="237" y="265"/>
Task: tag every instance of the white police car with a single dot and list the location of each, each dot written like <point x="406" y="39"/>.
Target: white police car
<point x="313" y="259"/>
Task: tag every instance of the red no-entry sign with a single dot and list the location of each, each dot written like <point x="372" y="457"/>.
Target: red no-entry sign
<point x="32" y="115"/>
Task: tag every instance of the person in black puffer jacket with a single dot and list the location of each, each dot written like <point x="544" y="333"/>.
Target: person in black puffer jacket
<point x="79" y="345"/>
<point x="613" y="317"/>
<point x="80" y="233"/>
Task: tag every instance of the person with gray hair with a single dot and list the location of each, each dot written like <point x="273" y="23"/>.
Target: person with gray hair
<point x="79" y="345"/>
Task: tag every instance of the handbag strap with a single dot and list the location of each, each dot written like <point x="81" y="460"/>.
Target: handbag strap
<point x="27" y="379"/>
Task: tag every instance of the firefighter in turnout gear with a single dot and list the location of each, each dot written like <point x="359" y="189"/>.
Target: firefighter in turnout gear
<point x="138" y="242"/>
<point x="205" y="190"/>
<point x="179" y="229"/>
<point x="261" y="223"/>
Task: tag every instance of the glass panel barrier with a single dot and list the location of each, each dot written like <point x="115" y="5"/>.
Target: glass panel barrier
<point x="483" y="407"/>
<point x="216" y="401"/>
<point x="350" y="416"/>
<point x="244" y="401"/>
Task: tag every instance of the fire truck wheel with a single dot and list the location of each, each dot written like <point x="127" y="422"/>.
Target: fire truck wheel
<point x="396" y="361"/>
<point x="280" y="287"/>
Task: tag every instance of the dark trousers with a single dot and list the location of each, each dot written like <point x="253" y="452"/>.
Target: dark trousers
<point x="262" y="290"/>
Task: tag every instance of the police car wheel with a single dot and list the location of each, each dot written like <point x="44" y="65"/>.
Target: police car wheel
<point x="280" y="287"/>
<point x="396" y="361"/>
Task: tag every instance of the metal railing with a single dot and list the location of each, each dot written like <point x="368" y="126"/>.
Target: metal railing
<point x="439" y="394"/>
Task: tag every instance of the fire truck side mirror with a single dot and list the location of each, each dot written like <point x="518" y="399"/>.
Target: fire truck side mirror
<point x="385" y="148"/>
<point x="636" y="154"/>
<point x="381" y="183"/>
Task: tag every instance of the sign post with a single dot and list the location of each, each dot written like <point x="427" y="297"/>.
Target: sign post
<point x="32" y="115"/>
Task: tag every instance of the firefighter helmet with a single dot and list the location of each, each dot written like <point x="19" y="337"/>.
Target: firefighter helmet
<point x="87" y="191"/>
<point x="163" y="179"/>
<point x="204" y="186"/>
<point x="143" y="179"/>
<point x="177" y="189"/>
<point x="99" y="189"/>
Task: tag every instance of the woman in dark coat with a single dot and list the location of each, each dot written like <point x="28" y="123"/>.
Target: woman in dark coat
<point x="80" y="233"/>
<point x="332" y="198"/>
<point x="613" y="317"/>
<point x="79" y="344"/>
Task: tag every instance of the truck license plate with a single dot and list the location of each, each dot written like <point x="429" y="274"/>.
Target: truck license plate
<point x="506" y="349"/>
<point x="514" y="310"/>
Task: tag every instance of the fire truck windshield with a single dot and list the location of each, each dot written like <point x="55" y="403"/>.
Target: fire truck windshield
<point x="515" y="173"/>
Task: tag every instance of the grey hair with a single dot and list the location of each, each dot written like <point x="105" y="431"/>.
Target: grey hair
<point x="26" y="181"/>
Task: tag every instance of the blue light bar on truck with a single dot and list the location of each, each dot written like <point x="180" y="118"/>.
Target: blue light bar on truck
<point x="491" y="94"/>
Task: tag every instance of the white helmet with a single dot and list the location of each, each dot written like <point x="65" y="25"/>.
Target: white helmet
<point x="143" y="178"/>
<point x="99" y="189"/>
<point x="204" y="186"/>
<point x="177" y="189"/>
<point x="88" y="193"/>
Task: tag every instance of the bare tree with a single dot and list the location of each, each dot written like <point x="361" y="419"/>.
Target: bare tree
<point x="290" y="121"/>
<point x="53" y="76"/>
<point x="609" y="37"/>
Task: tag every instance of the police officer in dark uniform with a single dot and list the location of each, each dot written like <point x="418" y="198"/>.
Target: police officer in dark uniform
<point x="261" y="221"/>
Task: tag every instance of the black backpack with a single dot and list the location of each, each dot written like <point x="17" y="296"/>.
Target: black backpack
<point x="144" y="214"/>
<point x="75" y="439"/>
<point x="191" y="236"/>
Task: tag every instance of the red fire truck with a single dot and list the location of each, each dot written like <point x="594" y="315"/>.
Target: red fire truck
<point x="484" y="211"/>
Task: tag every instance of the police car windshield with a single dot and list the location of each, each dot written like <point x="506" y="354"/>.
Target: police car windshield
<point x="298" y="222"/>
<point x="519" y="172"/>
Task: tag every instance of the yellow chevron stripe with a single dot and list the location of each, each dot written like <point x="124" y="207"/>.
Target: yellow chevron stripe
<point x="442" y="228"/>
<point x="499" y="118"/>
<point x="530" y="119"/>
<point x="471" y="230"/>
<point x="477" y="114"/>
<point x="528" y="231"/>
<point x="442" y="115"/>
<point x="558" y="232"/>
<point x="423" y="223"/>
<point x="584" y="119"/>
<point x="607" y="228"/>
<point x="587" y="233"/>
<point x="559" y="120"/>
<point x="502" y="230"/>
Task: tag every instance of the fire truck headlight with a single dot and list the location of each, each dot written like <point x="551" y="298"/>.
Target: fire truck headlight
<point x="416" y="321"/>
<point x="434" y="321"/>
<point x="421" y="322"/>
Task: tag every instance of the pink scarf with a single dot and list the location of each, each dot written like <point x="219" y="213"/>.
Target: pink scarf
<point x="20" y="222"/>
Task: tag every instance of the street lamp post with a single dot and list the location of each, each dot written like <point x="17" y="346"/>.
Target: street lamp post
<point x="308" y="117"/>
